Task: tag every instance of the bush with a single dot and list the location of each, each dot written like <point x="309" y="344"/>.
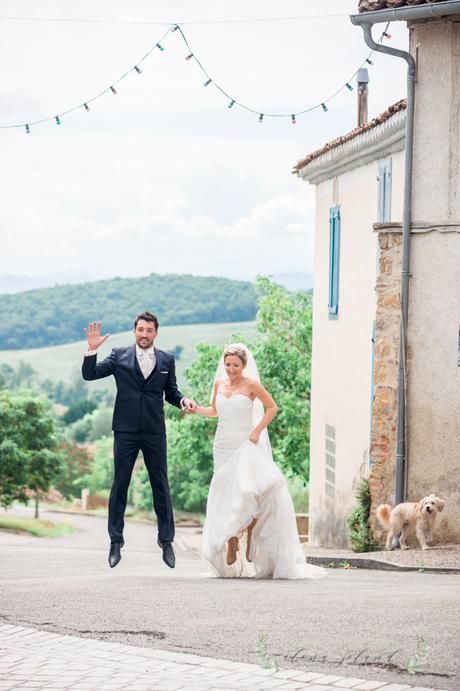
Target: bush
<point x="359" y="532"/>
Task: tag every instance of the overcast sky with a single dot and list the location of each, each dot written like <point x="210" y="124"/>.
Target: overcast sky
<point x="163" y="176"/>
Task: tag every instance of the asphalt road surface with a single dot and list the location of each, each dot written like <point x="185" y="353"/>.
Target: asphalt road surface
<point x="353" y="622"/>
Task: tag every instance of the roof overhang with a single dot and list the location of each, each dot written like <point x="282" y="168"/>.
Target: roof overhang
<point x="407" y="14"/>
<point x="378" y="142"/>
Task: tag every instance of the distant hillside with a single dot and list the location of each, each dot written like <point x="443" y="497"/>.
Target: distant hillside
<point x="63" y="362"/>
<point x="53" y="316"/>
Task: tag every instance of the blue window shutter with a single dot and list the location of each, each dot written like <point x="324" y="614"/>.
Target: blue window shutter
<point x="384" y="191"/>
<point x="334" y="261"/>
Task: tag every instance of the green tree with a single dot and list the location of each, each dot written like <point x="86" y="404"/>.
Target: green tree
<point x="190" y="437"/>
<point x="92" y="426"/>
<point x="99" y="478"/>
<point x="78" y="409"/>
<point x="283" y="353"/>
<point x="80" y="430"/>
<point x="24" y="376"/>
<point x="101" y="423"/>
<point x="29" y="458"/>
<point x="76" y="463"/>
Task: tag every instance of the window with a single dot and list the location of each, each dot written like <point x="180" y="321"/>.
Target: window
<point x="334" y="257"/>
<point x="330" y="462"/>
<point x="384" y="191"/>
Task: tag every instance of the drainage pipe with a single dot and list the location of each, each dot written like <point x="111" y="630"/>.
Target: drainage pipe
<point x="401" y="460"/>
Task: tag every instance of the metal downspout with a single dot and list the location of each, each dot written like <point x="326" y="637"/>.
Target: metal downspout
<point x="407" y="221"/>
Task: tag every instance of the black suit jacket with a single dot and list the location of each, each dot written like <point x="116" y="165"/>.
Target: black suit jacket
<point x="139" y="401"/>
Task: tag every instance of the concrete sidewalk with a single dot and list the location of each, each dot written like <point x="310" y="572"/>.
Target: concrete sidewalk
<point x="437" y="559"/>
<point x="31" y="659"/>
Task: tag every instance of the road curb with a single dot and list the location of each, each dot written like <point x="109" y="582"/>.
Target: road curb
<point x="377" y="564"/>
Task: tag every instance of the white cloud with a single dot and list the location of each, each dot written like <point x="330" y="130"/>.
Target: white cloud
<point x="163" y="176"/>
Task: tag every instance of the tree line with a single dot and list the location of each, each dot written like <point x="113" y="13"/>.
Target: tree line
<point x="57" y="315"/>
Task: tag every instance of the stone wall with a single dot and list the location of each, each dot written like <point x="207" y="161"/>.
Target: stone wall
<point x="433" y="378"/>
<point x="386" y="364"/>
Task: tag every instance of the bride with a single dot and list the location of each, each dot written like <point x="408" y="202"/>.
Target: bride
<point x="250" y="527"/>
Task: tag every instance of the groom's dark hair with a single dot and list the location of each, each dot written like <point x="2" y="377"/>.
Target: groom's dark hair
<point x="148" y="317"/>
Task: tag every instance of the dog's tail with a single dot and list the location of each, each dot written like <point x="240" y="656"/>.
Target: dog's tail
<point x="383" y="515"/>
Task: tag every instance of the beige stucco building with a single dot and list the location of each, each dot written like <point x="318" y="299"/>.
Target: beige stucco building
<point x="356" y="319"/>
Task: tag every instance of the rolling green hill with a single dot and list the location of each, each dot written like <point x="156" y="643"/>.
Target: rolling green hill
<point x="63" y="362"/>
<point x="54" y="316"/>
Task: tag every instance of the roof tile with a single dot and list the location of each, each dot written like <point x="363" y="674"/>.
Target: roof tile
<point x="374" y="5"/>
<point x="391" y="110"/>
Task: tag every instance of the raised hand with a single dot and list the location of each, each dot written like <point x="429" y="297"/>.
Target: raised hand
<point x="93" y="335"/>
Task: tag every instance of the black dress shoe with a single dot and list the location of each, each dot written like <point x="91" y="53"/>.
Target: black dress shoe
<point x="115" y="554"/>
<point x="169" y="557"/>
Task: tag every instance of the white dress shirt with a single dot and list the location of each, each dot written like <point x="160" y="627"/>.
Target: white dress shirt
<point x="146" y="359"/>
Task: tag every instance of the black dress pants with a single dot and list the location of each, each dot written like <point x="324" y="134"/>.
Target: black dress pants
<point x="126" y="448"/>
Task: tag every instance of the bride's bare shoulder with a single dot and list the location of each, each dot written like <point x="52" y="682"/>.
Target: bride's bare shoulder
<point x="253" y="383"/>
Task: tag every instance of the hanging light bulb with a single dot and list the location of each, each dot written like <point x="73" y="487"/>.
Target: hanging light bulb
<point x="27" y="129"/>
<point x="113" y="90"/>
<point x="138" y="69"/>
<point x="324" y="107"/>
<point x="160" y="47"/>
<point x="86" y="107"/>
<point x="231" y="104"/>
<point x="189" y="56"/>
<point x="349" y="86"/>
<point x="207" y="83"/>
<point x="387" y="35"/>
<point x="261" y="117"/>
<point x="58" y="122"/>
<point x="293" y="120"/>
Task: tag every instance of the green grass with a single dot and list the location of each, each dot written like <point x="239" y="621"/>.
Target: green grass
<point x="35" y="526"/>
<point x="63" y="362"/>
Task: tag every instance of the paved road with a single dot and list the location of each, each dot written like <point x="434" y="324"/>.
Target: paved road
<point x="351" y="623"/>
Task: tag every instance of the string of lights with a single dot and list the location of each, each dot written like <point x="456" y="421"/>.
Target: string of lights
<point x="190" y="55"/>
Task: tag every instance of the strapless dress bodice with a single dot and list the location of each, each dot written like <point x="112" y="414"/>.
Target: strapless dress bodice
<point x="235" y="410"/>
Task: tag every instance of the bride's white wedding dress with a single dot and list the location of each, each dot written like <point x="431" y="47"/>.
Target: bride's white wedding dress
<point x="248" y="484"/>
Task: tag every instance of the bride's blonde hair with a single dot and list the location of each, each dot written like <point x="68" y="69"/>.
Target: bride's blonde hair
<point x="237" y="350"/>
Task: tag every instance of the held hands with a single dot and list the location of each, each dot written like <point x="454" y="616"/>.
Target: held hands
<point x="189" y="406"/>
<point x="93" y="335"/>
<point x="254" y="437"/>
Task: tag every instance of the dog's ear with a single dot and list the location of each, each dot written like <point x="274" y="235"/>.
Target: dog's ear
<point x="440" y="503"/>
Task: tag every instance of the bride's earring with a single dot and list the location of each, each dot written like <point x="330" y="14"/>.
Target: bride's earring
<point x="232" y="548"/>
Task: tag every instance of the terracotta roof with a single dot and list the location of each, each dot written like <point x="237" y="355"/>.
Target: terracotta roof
<point x="395" y="108"/>
<point x="373" y="5"/>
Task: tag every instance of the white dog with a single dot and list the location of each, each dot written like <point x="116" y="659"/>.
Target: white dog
<point x="403" y="517"/>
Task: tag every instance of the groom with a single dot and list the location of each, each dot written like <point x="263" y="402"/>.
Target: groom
<point x="143" y="376"/>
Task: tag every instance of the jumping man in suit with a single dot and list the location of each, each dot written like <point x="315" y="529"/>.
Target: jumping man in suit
<point x="144" y="376"/>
